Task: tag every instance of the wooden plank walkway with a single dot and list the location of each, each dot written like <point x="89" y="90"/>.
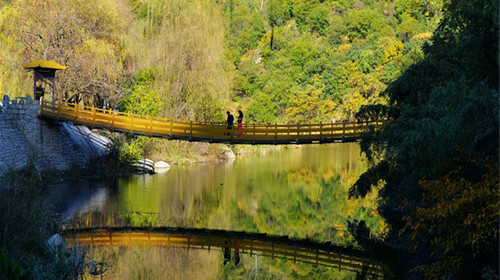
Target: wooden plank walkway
<point x="212" y="132"/>
<point x="305" y="251"/>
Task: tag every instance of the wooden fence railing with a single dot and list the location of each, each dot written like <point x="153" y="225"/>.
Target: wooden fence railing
<point x="252" y="244"/>
<point x="206" y="131"/>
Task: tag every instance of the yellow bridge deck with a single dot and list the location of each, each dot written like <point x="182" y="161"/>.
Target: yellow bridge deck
<point x="322" y="254"/>
<point x="212" y="132"/>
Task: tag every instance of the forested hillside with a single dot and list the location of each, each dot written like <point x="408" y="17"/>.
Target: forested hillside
<point x="303" y="61"/>
<point x="278" y="60"/>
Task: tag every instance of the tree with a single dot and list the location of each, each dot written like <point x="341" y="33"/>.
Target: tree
<point x="277" y="15"/>
<point x="437" y="160"/>
<point x="182" y="42"/>
<point x="82" y="35"/>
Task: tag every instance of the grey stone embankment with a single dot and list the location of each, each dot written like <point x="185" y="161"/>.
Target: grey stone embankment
<point x="49" y="144"/>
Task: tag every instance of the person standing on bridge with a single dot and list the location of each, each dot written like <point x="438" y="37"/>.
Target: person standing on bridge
<point x="240" y="121"/>
<point x="237" y="252"/>
<point x="227" y="253"/>
<point x="230" y="120"/>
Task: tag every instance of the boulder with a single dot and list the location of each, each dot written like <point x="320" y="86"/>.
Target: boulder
<point x="161" y="166"/>
<point x="55" y="241"/>
<point x="228" y="154"/>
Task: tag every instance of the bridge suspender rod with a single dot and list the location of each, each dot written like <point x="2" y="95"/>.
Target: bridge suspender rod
<point x="129" y="238"/>
<point x="272" y="250"/>
<point x="58" y="109"/>
<point x="320" y="130"/>
<point x="112" y="118"/>
<point x="294" y="253"/>
<point x="253" y="133"/>
<point x="211" y="132"/>
<point x="190" y="129"/>
<point x="93" y="115"/>
<point x="76" y="112"/>
<point x="151" y="127"/>
<point x="275" y="133"/>
<point x="149" y="239"/>
<point x="343" y="128"/>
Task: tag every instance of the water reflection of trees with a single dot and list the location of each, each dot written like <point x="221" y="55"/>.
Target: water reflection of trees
<point x="158" y="263"/>
<point x="299" y="193"/>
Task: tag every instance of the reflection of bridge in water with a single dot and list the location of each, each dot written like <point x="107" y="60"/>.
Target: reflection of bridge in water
<point x="280" y="247"/>
<point x="212" y="132"/>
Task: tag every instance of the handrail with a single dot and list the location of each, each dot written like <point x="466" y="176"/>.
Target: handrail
<point x="206" y="131"/>
<point x="323" y="254"/>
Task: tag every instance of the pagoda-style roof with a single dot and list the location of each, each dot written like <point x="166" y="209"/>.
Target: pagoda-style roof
<point x="44" y="64"/>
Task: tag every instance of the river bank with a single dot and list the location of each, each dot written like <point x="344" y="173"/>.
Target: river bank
<point x="27" y="221"/>
<point x="72" y="150"/>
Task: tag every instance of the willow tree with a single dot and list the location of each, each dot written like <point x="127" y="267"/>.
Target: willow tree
<point x="81" y="34"/>
<point x="182" y="42"/>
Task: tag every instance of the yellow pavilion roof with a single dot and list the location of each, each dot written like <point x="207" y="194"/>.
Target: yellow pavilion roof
<point x="47" y="64"/>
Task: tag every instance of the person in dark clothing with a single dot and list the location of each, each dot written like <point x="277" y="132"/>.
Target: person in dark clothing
<point x="227" y="253"/>
<point x="240" y="121"/>
<point x="230" y="120"/>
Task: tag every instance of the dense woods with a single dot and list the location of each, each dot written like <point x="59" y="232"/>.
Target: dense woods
<point x="280" y="61"/>
<point x="437" y="163"/>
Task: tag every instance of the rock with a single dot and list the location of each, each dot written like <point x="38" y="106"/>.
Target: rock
<point x="88" y="142"/>
<point x="228" y="153"/>
<point x="144" y="166"/>
<point x="55" y="241"/>
<point x="161" y="166"/>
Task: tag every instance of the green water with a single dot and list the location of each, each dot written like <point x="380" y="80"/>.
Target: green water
<point x="298" y="192"/>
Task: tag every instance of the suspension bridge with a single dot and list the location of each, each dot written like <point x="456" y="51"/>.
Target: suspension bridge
<point x="213" y="132"/>
<point x="279" y="247"/>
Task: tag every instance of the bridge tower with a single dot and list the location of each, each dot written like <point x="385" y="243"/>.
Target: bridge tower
<point x="43" y="69"/>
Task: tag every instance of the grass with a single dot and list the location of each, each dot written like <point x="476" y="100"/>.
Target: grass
<point x="26" y="222"/>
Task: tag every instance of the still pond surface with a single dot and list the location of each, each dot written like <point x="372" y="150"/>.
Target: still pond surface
<point x="297" y="192"/>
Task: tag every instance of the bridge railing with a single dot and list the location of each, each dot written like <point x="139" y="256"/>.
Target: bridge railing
<point x="282" y="248"/>
<point x="198" y="130"/>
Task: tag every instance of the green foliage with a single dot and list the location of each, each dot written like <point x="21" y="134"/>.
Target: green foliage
<point x="134" y="149"/>
<point x="262" y="109"/>
<point x="348" y="55"/>
<point x="437" y="159"/>
<point x="10" y="269"/>
<point x="362" y="23"/>
<point x="277" y="12"/>
<point x="140" y="98"/>
<point x="306" y="107"/>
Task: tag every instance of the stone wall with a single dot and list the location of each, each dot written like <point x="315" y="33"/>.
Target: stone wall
<point x="50" y="144"/>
